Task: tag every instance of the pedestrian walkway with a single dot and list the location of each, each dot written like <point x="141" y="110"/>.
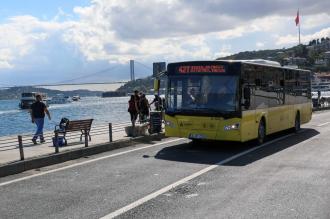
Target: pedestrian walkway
<point x="9" y="150"/>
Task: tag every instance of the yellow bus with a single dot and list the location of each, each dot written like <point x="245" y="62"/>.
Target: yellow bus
<point x="235" y="100"/>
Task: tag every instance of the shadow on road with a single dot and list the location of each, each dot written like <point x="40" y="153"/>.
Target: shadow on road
<point x="214" y="152"/>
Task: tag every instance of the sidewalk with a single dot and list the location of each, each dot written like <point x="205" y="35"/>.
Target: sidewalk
<point x="9" y="150"/>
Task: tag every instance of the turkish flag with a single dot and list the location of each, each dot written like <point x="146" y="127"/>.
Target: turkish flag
<point x="297" y="18"/>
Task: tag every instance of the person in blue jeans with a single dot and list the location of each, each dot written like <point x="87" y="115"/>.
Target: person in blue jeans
<point x="38" y="111"/>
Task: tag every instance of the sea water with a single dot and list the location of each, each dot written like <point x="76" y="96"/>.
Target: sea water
<point x="15" y="121"/>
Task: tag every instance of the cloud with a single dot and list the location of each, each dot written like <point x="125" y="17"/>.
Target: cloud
<point x="224" y="51"/>
<point x="260" y="44"/>
<point x="173" y="29"/>
<point x="115" y="31"/>
<point x="293" y="39"/>
<point x="21" y="35"/>
<point x="133" y="20"/>
<point x="316" y="20"/>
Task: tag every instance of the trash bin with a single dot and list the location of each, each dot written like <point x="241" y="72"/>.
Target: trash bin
<point x="60" y="141"/>
<point x="155" y="122"/>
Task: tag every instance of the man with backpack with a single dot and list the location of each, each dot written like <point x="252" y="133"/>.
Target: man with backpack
<point x="158" y="103"/>
<point x="38" y="110"/>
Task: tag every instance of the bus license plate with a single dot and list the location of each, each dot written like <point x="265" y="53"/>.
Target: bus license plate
<point x="197" y="136"/>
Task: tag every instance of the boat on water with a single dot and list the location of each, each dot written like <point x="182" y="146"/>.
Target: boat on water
<point x="75" y="98"/>
<point x="320" y="83"/>
<point x="28" y="98"/>
<point x="59" y="99"/>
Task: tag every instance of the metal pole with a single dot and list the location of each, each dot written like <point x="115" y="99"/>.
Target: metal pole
<point x="56" y="143"/>
<point x="110" y="132"/>
<point x="299" y="33"/>
<point x="20" y="145"/>
<point x="86" y="138"/>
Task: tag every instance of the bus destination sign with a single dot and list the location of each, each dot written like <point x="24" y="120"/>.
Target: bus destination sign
<point x="201" y="69"/>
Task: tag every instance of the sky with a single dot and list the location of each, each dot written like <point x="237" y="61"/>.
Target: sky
<point x="61" y="41"/>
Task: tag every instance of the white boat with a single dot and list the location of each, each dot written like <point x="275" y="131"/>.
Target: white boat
<point x="321" y="86"/>
<point x="59" y="99"/>
<point x="28" y="98"/>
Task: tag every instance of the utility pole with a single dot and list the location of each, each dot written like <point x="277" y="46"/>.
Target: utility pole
<point x="131" y="63"/>
<point x="299" y="33"/>
<point x="297" y="20"/>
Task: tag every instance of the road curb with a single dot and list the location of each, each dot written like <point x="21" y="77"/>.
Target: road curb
<point x="320" y="109"/>
<point x="51" y="159"/>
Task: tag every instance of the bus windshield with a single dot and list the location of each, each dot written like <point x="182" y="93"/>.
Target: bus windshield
<point x="206" y="94"/>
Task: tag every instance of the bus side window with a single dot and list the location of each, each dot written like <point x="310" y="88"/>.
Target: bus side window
<point x="248" y="86"/>
<point x="258" y="82"/>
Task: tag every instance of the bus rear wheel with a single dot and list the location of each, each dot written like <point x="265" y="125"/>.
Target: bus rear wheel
<point x="261" y="132"/>
<point x="297" y="123"/>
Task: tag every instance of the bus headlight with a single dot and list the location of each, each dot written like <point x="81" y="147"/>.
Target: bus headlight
<point x="170" y="124"/>
<point x="232" y="127"/>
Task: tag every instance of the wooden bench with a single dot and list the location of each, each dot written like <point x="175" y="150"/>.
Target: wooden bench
<point x="84" y="126"/>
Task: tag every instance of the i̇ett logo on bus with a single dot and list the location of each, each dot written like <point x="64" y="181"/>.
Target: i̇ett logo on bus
<point x="201" y="69"/>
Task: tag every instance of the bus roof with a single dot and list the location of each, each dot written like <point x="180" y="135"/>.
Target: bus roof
<point x="261" y="62"/>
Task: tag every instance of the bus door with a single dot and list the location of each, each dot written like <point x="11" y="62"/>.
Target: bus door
<point x="274" y="90"/>
<point x="248" y="103"/>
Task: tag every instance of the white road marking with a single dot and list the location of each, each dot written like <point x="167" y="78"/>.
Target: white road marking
<point x="202" y="184"/>
<point x="192" y="195"/>
<point x="86" y="162"/>
<point x="186" y="179"/>
<point x="323" y="124"/>
<point x="168" y="194"/>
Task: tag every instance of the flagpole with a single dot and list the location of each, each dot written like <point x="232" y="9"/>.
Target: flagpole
<point x="299" y="32"/>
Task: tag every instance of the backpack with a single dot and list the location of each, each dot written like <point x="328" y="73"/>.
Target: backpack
<point x="64" y="123"/>
<point x="131" y="106"/>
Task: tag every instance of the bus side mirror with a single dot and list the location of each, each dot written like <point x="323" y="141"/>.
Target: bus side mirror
<point x="247" y="97"/>
<point x="246" y="104"/>
<point x="156" y="85"/>
<point x="247" y="93"/>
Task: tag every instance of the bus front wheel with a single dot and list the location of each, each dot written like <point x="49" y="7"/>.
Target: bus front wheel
<point x="261" y="132"/>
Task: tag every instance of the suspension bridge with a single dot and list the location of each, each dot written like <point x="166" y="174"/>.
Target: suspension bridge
<point x="68" y="83"/>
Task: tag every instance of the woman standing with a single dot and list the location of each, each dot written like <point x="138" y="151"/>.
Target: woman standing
<point x="144" y="108"/>
<point x="133" y="110"/>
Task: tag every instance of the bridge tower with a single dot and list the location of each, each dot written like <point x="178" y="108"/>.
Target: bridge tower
<point x="131" y="63"/>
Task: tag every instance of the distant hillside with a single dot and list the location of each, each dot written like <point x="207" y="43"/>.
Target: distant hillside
<point x="144" y="85"/>
<point x="15" y="92"/>
<point x="278" y="55"/>
<point x="262" y="54"/>
<point x="314" y="56"/>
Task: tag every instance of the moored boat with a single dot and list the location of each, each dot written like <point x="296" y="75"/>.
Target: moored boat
<point x="28" y="98"/>
<point x="59" y="99"/>
<point x="75" y="98"/>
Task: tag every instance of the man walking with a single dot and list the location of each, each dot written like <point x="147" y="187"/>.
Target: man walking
<point x="38" y="110"/>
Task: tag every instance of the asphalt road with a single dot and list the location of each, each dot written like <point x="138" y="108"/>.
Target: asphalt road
<point x="288" y="177"/>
